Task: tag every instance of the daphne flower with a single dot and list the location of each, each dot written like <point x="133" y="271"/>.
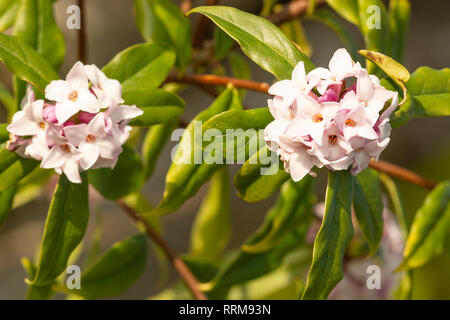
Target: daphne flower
<point x="296" y="159"/>
<point x="341" y="66"/>
<point x="312" y="118"/>
<point x="108" y="91"/>
<point x="72" y="95"/>
<point x="93" y="141"/>
<point x="28" y="121"/>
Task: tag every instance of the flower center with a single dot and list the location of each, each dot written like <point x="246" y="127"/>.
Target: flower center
<point x="42" y="125"/>
<point x="350" y="122"/>
<point x="90" y="138"/>
<point x="317" y="117"/>
<point x="73" y="96"/>
<point x="65" y="148"/>
<point x="332" y="139"/>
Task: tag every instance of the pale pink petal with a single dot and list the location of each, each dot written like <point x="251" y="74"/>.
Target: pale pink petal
<point x="109" y="147"/>
<point x="71" y="171"/>
<point x="364" y="86"/>
<point x="341" y="64"/>
<point x="76" y="134"/>
<point x="23" y="126"/>
<point x="58" y="90"/>
<point x="77" y="76"/>
<point x="320" y="72"/>
<point x="299" y="165"/>
<point x="97" y="126"/>
<point x="89" y="154"/>
<point x="124" y="112"/>
<point x="64" y="111"/>
<point x="54" y="159"/>
<point x="299" y="75"/>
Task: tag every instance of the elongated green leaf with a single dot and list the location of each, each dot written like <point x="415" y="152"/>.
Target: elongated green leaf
<point x="348" y="9"/>
<point x="4" y="134"/>
<point x="245" y="266"/>
<point x="331" y="20"/>
<point x="14" y="168"/>
<point x="159" y="106"/>
<point x="127" y="176"/>
<point x="64" y="229"/>
<point x="6" y="200"/>
<point x="8" y="12"/>
<point x="260" y="176"/>
<point x="292" y="210"/>
<point x="374" y="25"/>
<point x="399" y="12"/>
<point x="295" y="31"/>
<point x="189" y="170"/>
<point x="24" y="62"/>
<point x="35" y="292"/>
<point x="429" y="230"/>
<point x="368" y="205"/>
<point x="239" y="131"/>
<point x="396" y="202"/>
<point x="8" y="101"/>
<point x="36" y="25"/>
<point x="260" y="40"/>
<point x="153" y="144"/>
<point x="392" y="68"/>
<point x="430" y="90"/>
<point x="333" y="238"/>
<point x="161" y="21"/>
<point x="223" y="44"/>
<point x="140" y="67"/>
<point x="212" y="226"/>
<point x="116" y="270"/>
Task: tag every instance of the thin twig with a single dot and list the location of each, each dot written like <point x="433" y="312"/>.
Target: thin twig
<point x="213" y="80"/>
<point x="186" y="5"/>
<point x="402" y="174"/>
<point x="202" y="27"/>
<point x="82" y="44"/>
<point x="291" y="11"/>
<point x="184" y="272"/>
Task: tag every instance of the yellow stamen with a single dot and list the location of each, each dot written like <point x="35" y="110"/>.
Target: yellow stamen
<point x="73" y="96"/>
<point x="332" y="139"/>
<point x="65" y="148"/>
<point x="350" y="122"/>
<point x="90" y="138"/>
<point x="317" y="117"/>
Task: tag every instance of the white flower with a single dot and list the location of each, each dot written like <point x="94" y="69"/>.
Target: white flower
<point x="93" y="141"/>
<point x="84" y="129"/>
<point x="72" y="95"/>
<point x="108" y="91"/>
<point x="339" y="128"/>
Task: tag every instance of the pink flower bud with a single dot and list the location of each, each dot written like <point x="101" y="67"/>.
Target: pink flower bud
<point x="49" y="113"/>
<point x="85" y="117"/>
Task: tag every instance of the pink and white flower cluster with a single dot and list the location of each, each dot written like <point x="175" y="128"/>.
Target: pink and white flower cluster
<point x="82" y="123"/>
<point x="322" y="120"/>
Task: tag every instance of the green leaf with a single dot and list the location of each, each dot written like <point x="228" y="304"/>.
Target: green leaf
<point x="161" y="21"/>
<point x="154" y="143"/>
<point x="430" y="90"/>
<point x="64" y="229"/>
<point x="292" y="210"/>
<point x="4" y="134"/>
<point x="159" y="106"/>
<point x="126" y="178"/>
<point x="36" y="25"/>
<point x="374" y="25"/>
<point x="13" y="168"/>
<point x="368" y="205"/>
<point x="245" y="266"/>
<point x="116" y="270"/>
<point x="24" y="62"/>
<point x="8" y="12"/>
<point x="212" y="226"/>
<point x="260" y="40"/>
<point x="239" y="131"/>
<point x="328" y="18"/>
<point x="252" y="185"/>
<point x="396" y="202"/>
<point x="333" y="238"/>
<point x="399" y="12"/>
<point x="392" y="68"/>
<point x="348" y="9"/>
<point x="35" y="292"/>
<point x="295" y="31"/>
<point x="189" y="171"/>
<point x="6" y="200"/>
<point x="223" y="44"/>
<point x="139" y="68"/>
<point x="8" y="102"/>
<point x="429" y="230"/>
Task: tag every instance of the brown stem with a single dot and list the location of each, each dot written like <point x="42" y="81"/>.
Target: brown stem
<point x="186" y="5"/>
<point x="402" y="173"/>
<point x="184" y="272"/>
<point x="82" y="45"/>
<point x="290" y="11"/>
<point x="202" y="27"/>
<point x="213" y="80"/>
